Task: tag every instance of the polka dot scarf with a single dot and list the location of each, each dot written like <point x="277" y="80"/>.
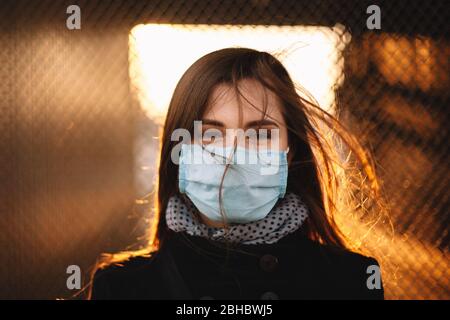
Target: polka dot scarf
<point x="286" y="217"/>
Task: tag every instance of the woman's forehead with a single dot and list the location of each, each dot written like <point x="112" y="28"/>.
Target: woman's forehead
<point x="224" y="104"/>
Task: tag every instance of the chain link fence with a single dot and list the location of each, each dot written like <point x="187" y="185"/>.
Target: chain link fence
<point x="80" y="118"/>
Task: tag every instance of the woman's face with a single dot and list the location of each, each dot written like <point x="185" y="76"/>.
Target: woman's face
<point x="223" y="113"/>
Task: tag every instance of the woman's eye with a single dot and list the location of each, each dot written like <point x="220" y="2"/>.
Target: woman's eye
<point x="259" y="136"/>
<point x="264" y="134"/>
<point x="208" y="138"/>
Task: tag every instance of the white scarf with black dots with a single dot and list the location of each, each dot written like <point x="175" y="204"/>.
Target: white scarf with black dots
<point x="286" y="217"/>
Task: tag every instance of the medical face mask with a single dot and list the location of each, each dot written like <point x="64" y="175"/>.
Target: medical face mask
<point x="252" y="183"/>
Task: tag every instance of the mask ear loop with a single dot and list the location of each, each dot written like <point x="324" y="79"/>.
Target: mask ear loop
<point x="287" y="150"/>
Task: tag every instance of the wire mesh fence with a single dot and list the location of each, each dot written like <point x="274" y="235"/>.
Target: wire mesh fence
<point x="81" y="110"/>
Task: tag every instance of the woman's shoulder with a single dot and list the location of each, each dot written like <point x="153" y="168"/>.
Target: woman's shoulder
<point x="353" y="274"/>
<point x="339" y="256"/>
<point x="127" y="279"/>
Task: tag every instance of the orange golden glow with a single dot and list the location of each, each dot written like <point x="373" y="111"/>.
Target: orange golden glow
<point x="160" y="53"/>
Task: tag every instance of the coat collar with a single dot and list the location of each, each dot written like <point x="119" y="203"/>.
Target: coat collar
<point x="181" y="241"/>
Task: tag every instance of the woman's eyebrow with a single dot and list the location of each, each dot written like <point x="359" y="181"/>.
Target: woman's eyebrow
<point x="213" y="122"/>
<point x="259" y="123"/>
<point x="254" y="123"/>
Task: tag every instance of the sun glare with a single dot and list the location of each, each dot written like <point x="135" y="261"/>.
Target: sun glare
<point x="160" y="53"/>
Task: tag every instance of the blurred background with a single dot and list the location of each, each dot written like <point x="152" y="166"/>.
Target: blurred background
<point x="81" y="111"/>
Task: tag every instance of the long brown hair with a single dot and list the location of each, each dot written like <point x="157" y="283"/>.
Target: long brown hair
<point x="319" y="168"/>
<point x="312" y="172"/>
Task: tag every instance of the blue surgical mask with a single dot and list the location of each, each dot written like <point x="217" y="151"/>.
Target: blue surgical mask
<point x="252" y="183"/>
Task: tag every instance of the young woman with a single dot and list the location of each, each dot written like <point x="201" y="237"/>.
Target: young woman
<point x="236" y="229"/>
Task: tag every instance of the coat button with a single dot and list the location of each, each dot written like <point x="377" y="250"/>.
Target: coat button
<point x="268" y="262"/>
<point x="269" y="295"/>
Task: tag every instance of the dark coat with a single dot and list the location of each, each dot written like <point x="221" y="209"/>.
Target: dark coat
<point x="188" y="267"/>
